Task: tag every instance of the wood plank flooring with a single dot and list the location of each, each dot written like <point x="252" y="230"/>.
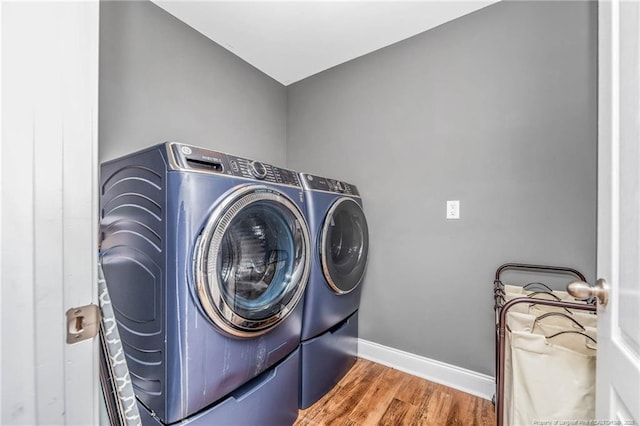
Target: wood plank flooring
<point x="372" y="394"/>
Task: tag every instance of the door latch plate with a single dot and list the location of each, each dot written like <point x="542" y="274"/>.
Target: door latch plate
<point x="82" y="323"/>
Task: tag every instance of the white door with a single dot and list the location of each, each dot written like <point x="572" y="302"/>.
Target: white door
<point x="618" y="376"/>
<point x="48" y="210"/>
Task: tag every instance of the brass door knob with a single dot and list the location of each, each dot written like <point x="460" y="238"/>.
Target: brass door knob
<point x="581" y="290"/>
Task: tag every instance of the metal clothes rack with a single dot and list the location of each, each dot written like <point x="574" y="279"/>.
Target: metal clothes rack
<point x="501" y="308"/>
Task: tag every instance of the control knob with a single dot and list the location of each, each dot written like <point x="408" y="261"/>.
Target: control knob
<point x="258" y="170"/>
<point x="340" y="187"/>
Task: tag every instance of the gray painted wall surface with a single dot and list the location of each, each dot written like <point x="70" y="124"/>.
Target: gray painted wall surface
<point x="496" y="109"/>
<point x="160" y="80"/>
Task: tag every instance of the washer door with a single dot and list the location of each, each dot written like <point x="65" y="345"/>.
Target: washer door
<point x="252" y="261"/>
<point x="344" y="245"/>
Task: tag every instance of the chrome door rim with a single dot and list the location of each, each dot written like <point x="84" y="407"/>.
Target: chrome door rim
<point x="208" y="246"/>
<point x="323" y="248"/>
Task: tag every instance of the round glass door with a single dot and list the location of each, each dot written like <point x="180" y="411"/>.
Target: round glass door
<point x="344" y="245"/>
<point x="252" y="261"/>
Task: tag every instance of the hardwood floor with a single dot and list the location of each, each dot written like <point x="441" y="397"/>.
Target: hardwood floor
<point x="372" y="394"/>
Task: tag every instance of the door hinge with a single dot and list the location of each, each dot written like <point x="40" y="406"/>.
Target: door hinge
<point x="82" y="323"/>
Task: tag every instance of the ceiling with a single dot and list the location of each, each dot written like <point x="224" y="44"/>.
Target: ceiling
<point x="292" y="40"/>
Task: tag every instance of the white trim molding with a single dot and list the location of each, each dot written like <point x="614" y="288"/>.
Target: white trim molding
<point x="449" y="375"/>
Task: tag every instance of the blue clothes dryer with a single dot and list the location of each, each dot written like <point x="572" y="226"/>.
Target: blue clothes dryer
<point x="340" y="241"/>
<point x="206" y="256"/>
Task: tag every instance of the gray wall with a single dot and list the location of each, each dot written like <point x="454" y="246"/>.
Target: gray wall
<point x="496" y="109"/>
<point x="160" y="80"/>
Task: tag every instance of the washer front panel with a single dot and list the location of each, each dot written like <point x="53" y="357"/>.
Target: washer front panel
<point x="252" y="261"/>
<point x="344" y="245"/>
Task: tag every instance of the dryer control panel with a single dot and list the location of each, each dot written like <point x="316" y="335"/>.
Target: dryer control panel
<point x="319" y="183"/>
<point x="203" y="160"/>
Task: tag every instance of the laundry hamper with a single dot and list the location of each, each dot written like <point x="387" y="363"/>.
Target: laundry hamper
<point x="552" y="380"/>
<point x="545" y="352"/>
<point x="549" y="378"/>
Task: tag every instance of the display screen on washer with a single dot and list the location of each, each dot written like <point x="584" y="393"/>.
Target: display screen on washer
<point x="345" y="245"/>
<point x="253" y="261"/>
<point x="193" y="158"/>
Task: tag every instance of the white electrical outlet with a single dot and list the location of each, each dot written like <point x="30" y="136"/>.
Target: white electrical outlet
<point x="453" y="209"/>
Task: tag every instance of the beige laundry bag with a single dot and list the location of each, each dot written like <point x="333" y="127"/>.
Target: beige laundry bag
<point x="550" y="379"/>
<point x="546" y="325"/>
<point x="513" y="292"/>
<point x="519" y="291"/>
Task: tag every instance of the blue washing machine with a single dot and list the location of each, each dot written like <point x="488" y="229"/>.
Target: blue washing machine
<point x="340" y="241"/>
<point x="206" y="256"/>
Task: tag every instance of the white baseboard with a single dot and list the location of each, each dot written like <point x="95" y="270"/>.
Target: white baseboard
<point x="454" y="377"/>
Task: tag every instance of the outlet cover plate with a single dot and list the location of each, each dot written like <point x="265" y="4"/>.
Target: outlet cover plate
<point x="453" y="209"/>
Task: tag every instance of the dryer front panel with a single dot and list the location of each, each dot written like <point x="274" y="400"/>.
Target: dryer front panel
<point x="344" y="245"/>
<point x="252" y="261"/>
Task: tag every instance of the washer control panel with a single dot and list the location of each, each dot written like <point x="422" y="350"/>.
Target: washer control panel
<point x="328" y="185"/>
<point x="204" y="160"/>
